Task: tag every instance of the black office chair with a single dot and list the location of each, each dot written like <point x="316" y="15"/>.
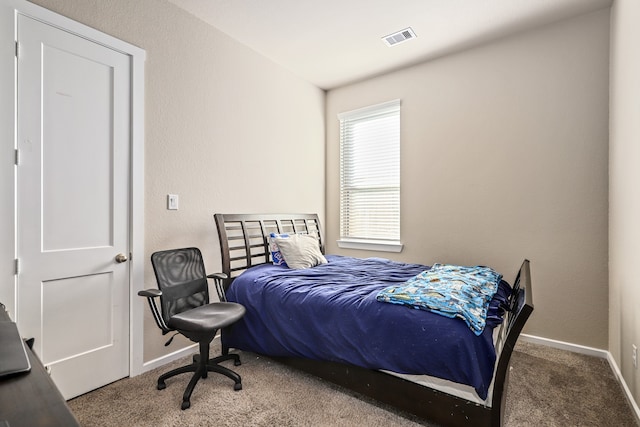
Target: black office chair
<point x="184" y="299"/>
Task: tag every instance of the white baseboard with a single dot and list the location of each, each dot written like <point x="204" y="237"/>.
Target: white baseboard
<point x="576" y="348"/>
<point x="623" y="383"/>
<point x="168" y="358"/>
<point x="590" y="351"/>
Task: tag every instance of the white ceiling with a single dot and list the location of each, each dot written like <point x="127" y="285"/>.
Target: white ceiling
<point x="334" y="42"/>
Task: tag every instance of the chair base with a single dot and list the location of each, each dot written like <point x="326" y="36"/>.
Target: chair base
<point x="201" y="369"/>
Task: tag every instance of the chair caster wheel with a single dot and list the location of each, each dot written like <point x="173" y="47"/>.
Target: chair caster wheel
<point x="161" y="386"/>
<point x="237" y="386"/>
<point x="185" y="405"/>
<point x="237" y="362"/>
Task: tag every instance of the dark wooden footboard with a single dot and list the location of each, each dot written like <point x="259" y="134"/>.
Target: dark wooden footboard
<point x="244" y="243"/>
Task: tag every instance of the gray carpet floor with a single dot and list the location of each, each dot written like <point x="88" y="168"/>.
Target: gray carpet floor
<point x="548" y="387"/>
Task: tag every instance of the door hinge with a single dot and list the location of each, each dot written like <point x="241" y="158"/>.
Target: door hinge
<point x="17" y="266"/>
<point x="17" y="49"/>
<point x="17" y="159"/>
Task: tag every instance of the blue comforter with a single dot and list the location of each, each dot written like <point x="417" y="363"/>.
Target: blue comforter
<point x="330" y="312"/>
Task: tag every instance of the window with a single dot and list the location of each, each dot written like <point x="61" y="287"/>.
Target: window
<point x="370" y="178"/>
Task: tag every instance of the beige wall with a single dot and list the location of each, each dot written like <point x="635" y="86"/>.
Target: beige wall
<point x="226" y="129"/>
<point x="504" y="156"/>
<point x="624" y="208"/>
<point x="524" y="119"/>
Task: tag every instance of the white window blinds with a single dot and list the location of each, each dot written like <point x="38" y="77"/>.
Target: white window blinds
<point x="370" y="173"/>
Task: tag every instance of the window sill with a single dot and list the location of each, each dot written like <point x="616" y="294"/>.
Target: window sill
<point x="371" y="245"/>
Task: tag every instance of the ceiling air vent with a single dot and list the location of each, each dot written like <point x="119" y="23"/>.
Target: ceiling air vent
<point x="399" y="37"/>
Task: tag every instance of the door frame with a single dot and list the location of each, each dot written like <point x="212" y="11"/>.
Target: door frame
<point x="9" y="9"/>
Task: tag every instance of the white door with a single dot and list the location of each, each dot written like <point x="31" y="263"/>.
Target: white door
<point x="73" y="177"/>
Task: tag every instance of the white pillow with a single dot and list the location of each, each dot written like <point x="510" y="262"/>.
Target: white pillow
<point x="300" y="251"/>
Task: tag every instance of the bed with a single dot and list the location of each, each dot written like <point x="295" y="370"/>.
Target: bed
<point x="453" y="375"/>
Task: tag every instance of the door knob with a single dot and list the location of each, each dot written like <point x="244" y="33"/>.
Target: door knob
<point x="121" y="258"/>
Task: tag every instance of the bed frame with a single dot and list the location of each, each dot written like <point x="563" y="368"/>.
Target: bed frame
<point x="244" y="243"/>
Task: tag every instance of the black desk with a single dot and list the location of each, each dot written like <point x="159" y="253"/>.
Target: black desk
<point x="32" y="399"/>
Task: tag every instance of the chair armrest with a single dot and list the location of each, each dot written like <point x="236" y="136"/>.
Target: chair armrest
<point x="150" y="293"/>
<point x="219" y="280"/>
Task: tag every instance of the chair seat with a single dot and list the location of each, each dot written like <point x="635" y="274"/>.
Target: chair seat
<point x="207" y="317"/>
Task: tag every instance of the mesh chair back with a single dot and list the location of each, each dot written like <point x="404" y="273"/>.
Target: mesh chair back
<point x="182" y="279"/>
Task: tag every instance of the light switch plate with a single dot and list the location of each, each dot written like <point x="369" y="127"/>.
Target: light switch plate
<point x="172" y="202"/>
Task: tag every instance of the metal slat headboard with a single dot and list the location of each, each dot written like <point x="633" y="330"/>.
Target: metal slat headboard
<point x="244" y="237"/>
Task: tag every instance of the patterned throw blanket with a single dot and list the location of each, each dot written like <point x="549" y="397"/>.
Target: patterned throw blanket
<point x="449" y="290"/>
